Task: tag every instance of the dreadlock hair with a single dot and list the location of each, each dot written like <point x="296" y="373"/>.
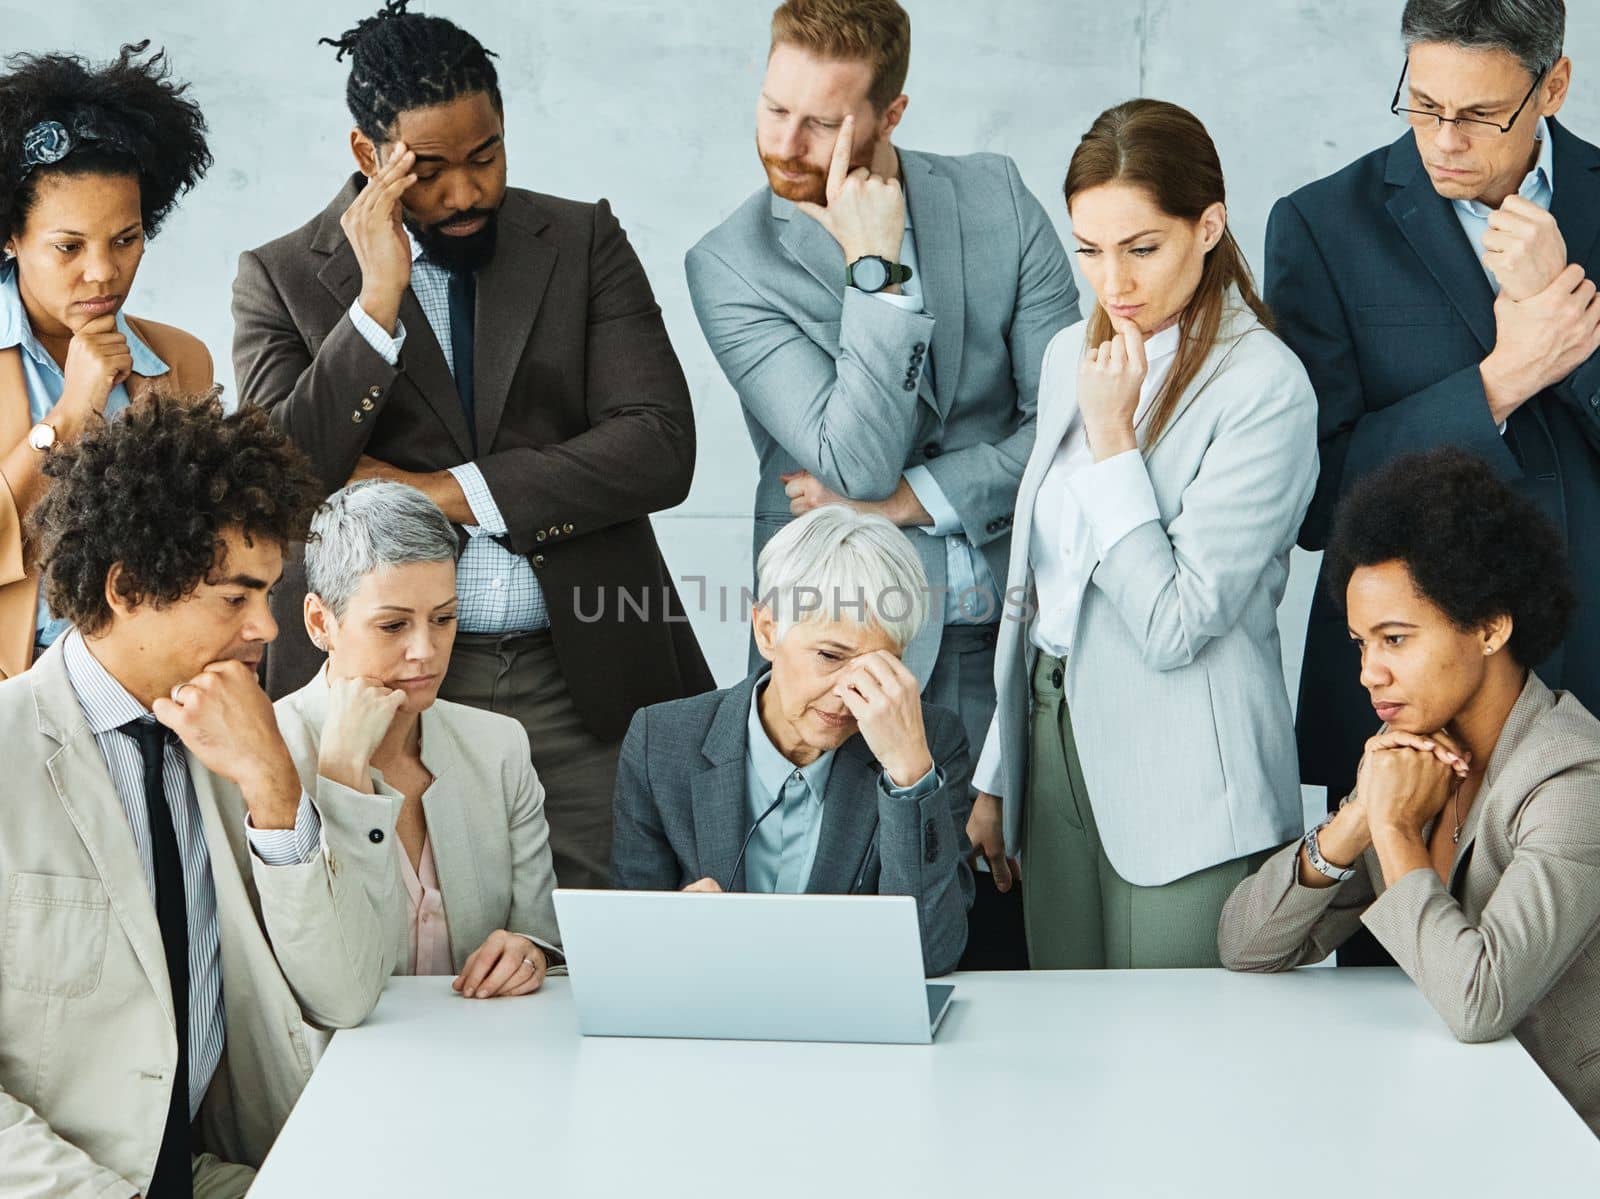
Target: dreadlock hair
<point x="127" y="117"/>
<point x="401" y="60"/>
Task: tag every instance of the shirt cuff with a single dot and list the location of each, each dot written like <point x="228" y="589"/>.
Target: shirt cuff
<point x="989" y="775"/>
<point x="921" y="789"/>
<point x="289" y="846"/>
<point x="484" y="510"/>
<point x="386" y="347"/>
<point x="902" y="301"/>
<point x="933" y="499"/>
<point x="1116" y="498"/>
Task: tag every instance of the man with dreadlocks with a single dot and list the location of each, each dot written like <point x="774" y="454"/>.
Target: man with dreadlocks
<point x="501" y="351"/>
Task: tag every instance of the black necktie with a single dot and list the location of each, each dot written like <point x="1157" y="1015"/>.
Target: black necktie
<point x="173" y="1174"/>
<point x="463" y="300"/>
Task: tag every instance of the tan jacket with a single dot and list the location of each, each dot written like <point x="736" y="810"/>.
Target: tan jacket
<point x="190" y="365"/>
<point x="88" y="1043"/>
<point x="1513" y="943"/>
<point x="485" y="814"/>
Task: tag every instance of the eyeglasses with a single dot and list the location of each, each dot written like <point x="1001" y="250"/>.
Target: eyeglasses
<point x="1470" y="127"/>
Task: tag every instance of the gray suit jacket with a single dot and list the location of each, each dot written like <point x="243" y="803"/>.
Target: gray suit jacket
<point x="87" y="1033"/>
<point x="1512" y="943"/>
<point x="1175" y="680"/>
<point x="486" y="824"/>
<point x="835" y="382"/>
<point x="681" y="815"/>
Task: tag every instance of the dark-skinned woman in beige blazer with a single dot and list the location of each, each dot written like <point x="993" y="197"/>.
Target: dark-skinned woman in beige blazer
<point x="92" y="160"/>
<point x="1471" y="844"/>
<point x="468" y="895"/>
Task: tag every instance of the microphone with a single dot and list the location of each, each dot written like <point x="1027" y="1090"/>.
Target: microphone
<point x="733" y="875"/>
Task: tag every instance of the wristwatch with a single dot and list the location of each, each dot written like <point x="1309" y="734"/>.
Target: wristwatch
<point x="1321" y="864"/>
<point x="42" y="437"/>
<point x="870" y="273"/>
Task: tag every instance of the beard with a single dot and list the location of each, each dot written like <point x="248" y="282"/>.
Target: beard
<point x="812" y="189"/>
<point x="458" y="253"/>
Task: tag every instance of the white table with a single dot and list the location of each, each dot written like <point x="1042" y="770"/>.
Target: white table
<point x="1151" y="1083"/>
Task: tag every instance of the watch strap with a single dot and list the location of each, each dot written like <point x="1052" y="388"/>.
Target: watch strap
<point x="1321" y="864"/>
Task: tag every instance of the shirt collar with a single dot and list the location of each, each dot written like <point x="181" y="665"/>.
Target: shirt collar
<point x="771" y="767"/>
<point x="16" y="330"/>
<point x="105" y="702"/>
<point x="1162" y="345"/>
<point x="416" y="246"/>
<point x="1538" y="186"/>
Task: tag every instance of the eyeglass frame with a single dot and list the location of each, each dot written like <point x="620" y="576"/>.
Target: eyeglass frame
<point x="1442" y="121"/>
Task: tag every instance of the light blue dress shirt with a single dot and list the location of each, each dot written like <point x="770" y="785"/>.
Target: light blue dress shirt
<point x="499" y="592"/>
<point x="784" y="848"/>
<point x="1537" y="188"/>
<point x="972" y="597"/>
<point x="45" y="382"/>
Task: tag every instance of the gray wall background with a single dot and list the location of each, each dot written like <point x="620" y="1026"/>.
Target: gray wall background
<point x="652" y="106"/>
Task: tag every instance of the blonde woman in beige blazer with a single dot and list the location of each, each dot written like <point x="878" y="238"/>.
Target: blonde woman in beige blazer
<point x="469" y="891"/>
<point x="1471" y="844"/>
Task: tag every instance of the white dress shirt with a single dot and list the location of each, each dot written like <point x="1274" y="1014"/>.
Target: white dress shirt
<point x="1083" y="508"/>
<point x="498" y="590"/>
<point x="972" y="597"/>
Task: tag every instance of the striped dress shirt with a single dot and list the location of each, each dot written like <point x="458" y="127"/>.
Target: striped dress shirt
<point x="498" y="590"/>
<point x="107" y="706"/>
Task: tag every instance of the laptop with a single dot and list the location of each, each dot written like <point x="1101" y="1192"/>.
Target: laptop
<point x="749" y="967"/>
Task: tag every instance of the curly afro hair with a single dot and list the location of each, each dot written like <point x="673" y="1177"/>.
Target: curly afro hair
<point x="1475" y="548"/>
<point x="143" y="123"/>
<point x="155" y="490"/>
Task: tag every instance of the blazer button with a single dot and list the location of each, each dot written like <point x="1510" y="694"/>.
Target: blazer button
<point x="376" y="836"/>
<point x="538" y="559"/>
<point x="908" y="385"/>
<point x="1055" y="677"/>
<point x="366" y="405"/>
<point x="566" y="528"/>
<point x="931" y="450"/>
<point x="374" y="393"/>
<point x="355" y="418"/>
<point x="539" y="536"/>
<point x="920" y="349"/>
<point x="992" y="527"/>
<point x="554" y="531"/>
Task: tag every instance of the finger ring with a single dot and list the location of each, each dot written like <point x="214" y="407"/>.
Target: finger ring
<point x="177" y="692"/>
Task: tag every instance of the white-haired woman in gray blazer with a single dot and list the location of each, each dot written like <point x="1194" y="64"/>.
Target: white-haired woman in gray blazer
<point x="470" y="892"/>
<point x="1142" y="754"/>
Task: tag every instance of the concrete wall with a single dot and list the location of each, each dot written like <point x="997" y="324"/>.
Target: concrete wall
<point x="652" y="106"/>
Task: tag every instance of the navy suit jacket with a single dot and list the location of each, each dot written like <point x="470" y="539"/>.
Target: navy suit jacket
<point x="1377" y="289"/>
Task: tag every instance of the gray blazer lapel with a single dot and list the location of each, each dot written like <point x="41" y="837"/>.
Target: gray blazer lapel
<point x="510" y="289"/>
<point x="936" y="224"/>
<point x="1536" y="699"/>
<point x="83" y="784"/>
<point x="450" y="837"/>
<point x="811" y="245"/>
<point x="718" y="795"/>
<point x="849" y="820"/>
<point x="1429" y="224"/>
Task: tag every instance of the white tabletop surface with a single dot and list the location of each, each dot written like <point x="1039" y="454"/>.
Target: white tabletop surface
<point x="1150" y="1083"/>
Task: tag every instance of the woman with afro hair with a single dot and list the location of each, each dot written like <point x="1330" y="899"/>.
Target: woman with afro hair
<point x="1471" y="843"/>
<point x="92" y="160"/>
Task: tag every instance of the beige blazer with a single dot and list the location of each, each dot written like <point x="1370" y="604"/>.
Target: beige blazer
<point x="190" y="365"/>
<point x="1513" y="943"/>
<point x="485" y="814"/>
<point x="88" y="1042"/>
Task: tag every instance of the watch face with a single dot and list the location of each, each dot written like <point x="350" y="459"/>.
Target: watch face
<point x="41" y="437"/>
<point x="871" y="274"/>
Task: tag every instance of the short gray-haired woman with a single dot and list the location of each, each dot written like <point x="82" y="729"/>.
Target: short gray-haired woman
<point x="823" y="771"/>
<point x="471" y="890"/>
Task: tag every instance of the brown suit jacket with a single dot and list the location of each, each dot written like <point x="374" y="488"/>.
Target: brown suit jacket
<point x="584" y="427"/>
<point x="190" y="373"/>
<point x="1512" y="945"/>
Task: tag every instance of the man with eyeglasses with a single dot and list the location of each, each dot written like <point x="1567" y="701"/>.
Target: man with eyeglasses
<point x="1439" y="292"/>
